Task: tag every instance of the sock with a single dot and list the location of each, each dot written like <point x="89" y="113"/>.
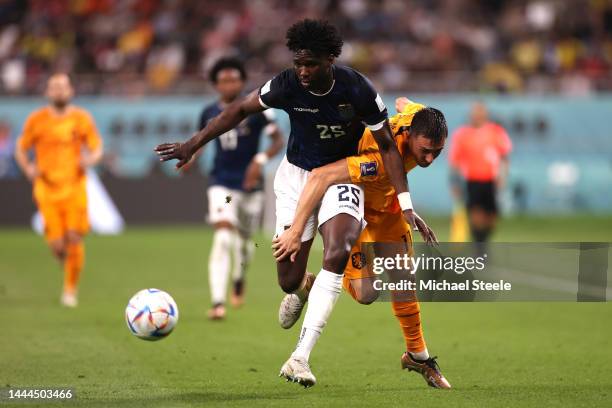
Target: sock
<point x="481" y="234"/>
<point x="321" y="301"/>
<point x="243" y="250"/>
<point x="219" y="264"/>
<point x="408" y="315"/>
<point x="73" y="264"/>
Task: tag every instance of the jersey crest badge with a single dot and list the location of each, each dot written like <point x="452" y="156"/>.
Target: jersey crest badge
<point x="368" y="169"/>
<point x="358" y="260"/>
<point x="347" y="111"/>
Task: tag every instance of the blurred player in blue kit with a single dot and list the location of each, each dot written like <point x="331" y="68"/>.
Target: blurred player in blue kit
<point x="235" y="192"/>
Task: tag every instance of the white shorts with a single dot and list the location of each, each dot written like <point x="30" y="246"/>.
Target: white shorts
<point x="242" y="210"/>
<point x="339" y="198"/>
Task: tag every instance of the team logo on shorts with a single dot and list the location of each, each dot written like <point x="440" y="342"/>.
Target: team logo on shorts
<point x="358" y="260"/>
<point x="346" y="110"/>
<point x="369" y="169"/>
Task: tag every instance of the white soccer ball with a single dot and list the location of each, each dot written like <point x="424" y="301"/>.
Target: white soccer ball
<point x="151" y="314"/>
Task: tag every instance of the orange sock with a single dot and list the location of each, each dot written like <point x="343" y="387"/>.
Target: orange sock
<point x="73" y="264"/>
<point x="409" y="316"/>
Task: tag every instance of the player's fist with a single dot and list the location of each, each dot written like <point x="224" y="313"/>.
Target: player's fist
<point x="400" y="103"/>
<point x="179" y="151"/>
<point x="287" y="245"/>
<point x="31" y="171"/>
<point x="252" y="176"/>
<point x="417" y="224"/>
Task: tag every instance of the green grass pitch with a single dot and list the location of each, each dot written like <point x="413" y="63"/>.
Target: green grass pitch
<point x="494" y="354"/>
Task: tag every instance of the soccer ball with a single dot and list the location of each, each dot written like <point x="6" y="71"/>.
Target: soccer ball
<point x="151" y="314"/>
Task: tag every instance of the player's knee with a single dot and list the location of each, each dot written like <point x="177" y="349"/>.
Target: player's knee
<point x="223" y="237"/>
<point x="337" y="253"/>
<point x="335" y="256"/>
<point x="58" y="248"/>
<point x="367" y="298"/>
<point x="363" y="293"/>
<point x="73" y="237"/>
<point x="289" y="283"/>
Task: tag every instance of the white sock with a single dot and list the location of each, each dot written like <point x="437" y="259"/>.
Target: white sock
<point x="421" y="355"/>
<point x="321" y="301"/>
<point x="243" y="250"/>
<point x="219" y="264"/>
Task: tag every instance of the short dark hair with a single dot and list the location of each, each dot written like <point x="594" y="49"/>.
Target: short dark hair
<point x="227" y="63"/>
<point x="431" y="123"/>
<point x="316" y="36"/>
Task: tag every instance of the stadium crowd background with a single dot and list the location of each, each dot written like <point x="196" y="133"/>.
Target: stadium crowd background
<point x="136" y="47"/>
<point x="543" y="67"/>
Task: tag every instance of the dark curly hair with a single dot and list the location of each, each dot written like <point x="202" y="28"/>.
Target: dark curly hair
<point x="316" y="36"/>
<point x="431" y="123"/>
<point x="227" y="63"/>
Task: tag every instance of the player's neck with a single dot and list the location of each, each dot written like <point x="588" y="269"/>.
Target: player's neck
<point x="60" y="111"/>
<point x="326" y="84"/>
<point x="324" y="89"/>
<point x="224" y="102"/>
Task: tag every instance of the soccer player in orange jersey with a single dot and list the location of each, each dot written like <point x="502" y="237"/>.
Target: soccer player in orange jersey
<point x="420" y="133"/>
<point x="479" y="154"/>
<point x="65" y="142"/>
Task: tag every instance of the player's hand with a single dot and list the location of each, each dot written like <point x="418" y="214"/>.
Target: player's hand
<point x="417" y="224"/>
<point x="287" y="245"/>
<point x="86" y="160"/>
<point x="252" y="176"/>
<point x="400" y="103"/>
<point x="183" y="152"/>
<point x="500" y="183"/>
<point x="31" y="171"/>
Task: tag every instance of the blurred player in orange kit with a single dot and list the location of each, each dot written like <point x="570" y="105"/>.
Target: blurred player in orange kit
<point x="65" y="142"/>
<point x="479" y="154"/>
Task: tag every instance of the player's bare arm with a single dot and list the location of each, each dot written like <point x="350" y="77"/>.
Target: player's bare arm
<point x="253" y="172"/>
<point x="289" y="242"/>
<point x="27" y="166"/>
<point x="231" y="116"/>
<point x="504" y="165"/>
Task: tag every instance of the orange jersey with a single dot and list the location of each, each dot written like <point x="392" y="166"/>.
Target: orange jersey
<point x="367" y="167"/>
<point x="477" y="152"/>
<point x="57" y="142"/>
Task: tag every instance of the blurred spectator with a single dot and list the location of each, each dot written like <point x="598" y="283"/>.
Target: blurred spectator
<point x="139" y="46"/>
<point x="8" y="169"/>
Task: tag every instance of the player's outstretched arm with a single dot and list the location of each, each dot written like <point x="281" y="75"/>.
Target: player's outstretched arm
<point x="319" y="180"/>
<point x="231" y="116"/>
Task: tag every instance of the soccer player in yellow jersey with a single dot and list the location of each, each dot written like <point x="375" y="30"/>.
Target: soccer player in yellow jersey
<point x="65" y="142"/>
<point x="420" y="133"/>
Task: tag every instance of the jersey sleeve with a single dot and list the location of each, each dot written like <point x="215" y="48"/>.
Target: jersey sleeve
<point x="91" y="136"/>
<point x="366" y="167"/>
<point x="370" y="106"/>
<point x="273" y="94"/>
<point x="26" y="140"/>
<point x="270" y="116"/>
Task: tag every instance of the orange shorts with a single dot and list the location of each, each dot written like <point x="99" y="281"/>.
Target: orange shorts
<point x="381" y="227"/>
<point x="61" y="216"/>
